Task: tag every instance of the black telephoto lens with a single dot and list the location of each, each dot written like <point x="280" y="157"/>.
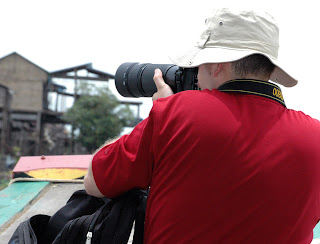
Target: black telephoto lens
<point x="136" y="79"/>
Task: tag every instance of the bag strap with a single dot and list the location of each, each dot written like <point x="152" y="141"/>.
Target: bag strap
<point x="254" y="87"/>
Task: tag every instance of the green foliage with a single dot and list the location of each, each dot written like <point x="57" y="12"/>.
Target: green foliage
<point x="3" y="183"/>
<point x="98" y="116"/>
<point x="5" y="176"/>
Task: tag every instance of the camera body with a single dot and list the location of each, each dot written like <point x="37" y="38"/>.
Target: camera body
<point x="136" y="79"/>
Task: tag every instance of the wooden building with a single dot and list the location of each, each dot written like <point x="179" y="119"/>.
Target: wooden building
<point x="29" y="86"/>
<point x="28" y="82"/>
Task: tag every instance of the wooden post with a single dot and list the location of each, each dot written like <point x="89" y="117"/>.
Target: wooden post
<point x="75" y="94"/>
<point x="75" y="85"/>
<point x="138" y="115"/>
<point x="5" y="122"/>
<point x="57" y="100"/>
<point x="2" y="142"/>
<point x="38" y="133"/>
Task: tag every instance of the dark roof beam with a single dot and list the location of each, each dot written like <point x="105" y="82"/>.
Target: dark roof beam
<point x="131" y="103"/>
<point x="75" y="68"/>
<point x="100" y="73"/>
<point x="101" y="78"/>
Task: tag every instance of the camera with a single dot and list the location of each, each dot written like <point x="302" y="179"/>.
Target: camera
<point x="136" y="79"/>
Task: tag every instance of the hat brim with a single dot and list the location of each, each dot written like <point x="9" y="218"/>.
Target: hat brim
<point x="197" y="56"/>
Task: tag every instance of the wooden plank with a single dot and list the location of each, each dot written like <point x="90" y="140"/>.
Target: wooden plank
<point x="61" y="174"/>
<point x="55" y="197"/>
<point x="24" y="116"/>
<point x="316" y="231"/>
<point x="50" y="162"/>
<point x="16" y="197"/>
<point x="51" y="201"/>
<point x="315" y="241"/>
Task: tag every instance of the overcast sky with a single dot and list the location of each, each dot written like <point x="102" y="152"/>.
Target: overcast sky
<point x="65" y="33"/>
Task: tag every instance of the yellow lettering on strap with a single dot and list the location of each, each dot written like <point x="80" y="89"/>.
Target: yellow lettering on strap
<point x="277" y="93"/>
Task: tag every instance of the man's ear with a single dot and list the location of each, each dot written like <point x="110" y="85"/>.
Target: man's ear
<point x="216" y="68"/>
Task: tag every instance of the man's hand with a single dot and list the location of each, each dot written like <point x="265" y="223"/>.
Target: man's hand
<point x="164" y="90"/>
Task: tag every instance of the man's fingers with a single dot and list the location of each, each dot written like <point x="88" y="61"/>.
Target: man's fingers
<point x="163" y="90"/>
<point x="158" y="80"/>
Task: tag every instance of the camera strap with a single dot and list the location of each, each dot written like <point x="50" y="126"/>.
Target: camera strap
<point x="254" y="87"/>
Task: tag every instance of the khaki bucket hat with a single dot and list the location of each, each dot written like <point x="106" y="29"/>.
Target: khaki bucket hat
<point x="230" y="35"/>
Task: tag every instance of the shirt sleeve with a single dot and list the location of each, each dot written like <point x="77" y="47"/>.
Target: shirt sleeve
<point x="126" y="163"/>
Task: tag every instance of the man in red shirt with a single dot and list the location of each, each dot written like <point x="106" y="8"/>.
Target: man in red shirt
<point x="226" y="164"/>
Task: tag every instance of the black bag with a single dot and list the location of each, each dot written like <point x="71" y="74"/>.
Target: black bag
<point x="112" y="223"/>
<point x="79" y="204"/>
<point x="28" y="231"/>
<point x="87" y="219"/>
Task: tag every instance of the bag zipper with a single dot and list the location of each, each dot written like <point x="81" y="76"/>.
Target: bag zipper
<point x="91" y="226"/>
<point x="94" y="220"/>
<point x="89" y="237"/>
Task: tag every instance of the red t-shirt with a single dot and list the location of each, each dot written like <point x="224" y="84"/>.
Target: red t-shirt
<point x="222" y="168"/>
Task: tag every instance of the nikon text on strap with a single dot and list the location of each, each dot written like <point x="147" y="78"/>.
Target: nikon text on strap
<point x="255" y="87"/>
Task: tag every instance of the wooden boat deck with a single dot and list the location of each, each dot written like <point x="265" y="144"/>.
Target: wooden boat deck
<point x="48" y="193"/>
